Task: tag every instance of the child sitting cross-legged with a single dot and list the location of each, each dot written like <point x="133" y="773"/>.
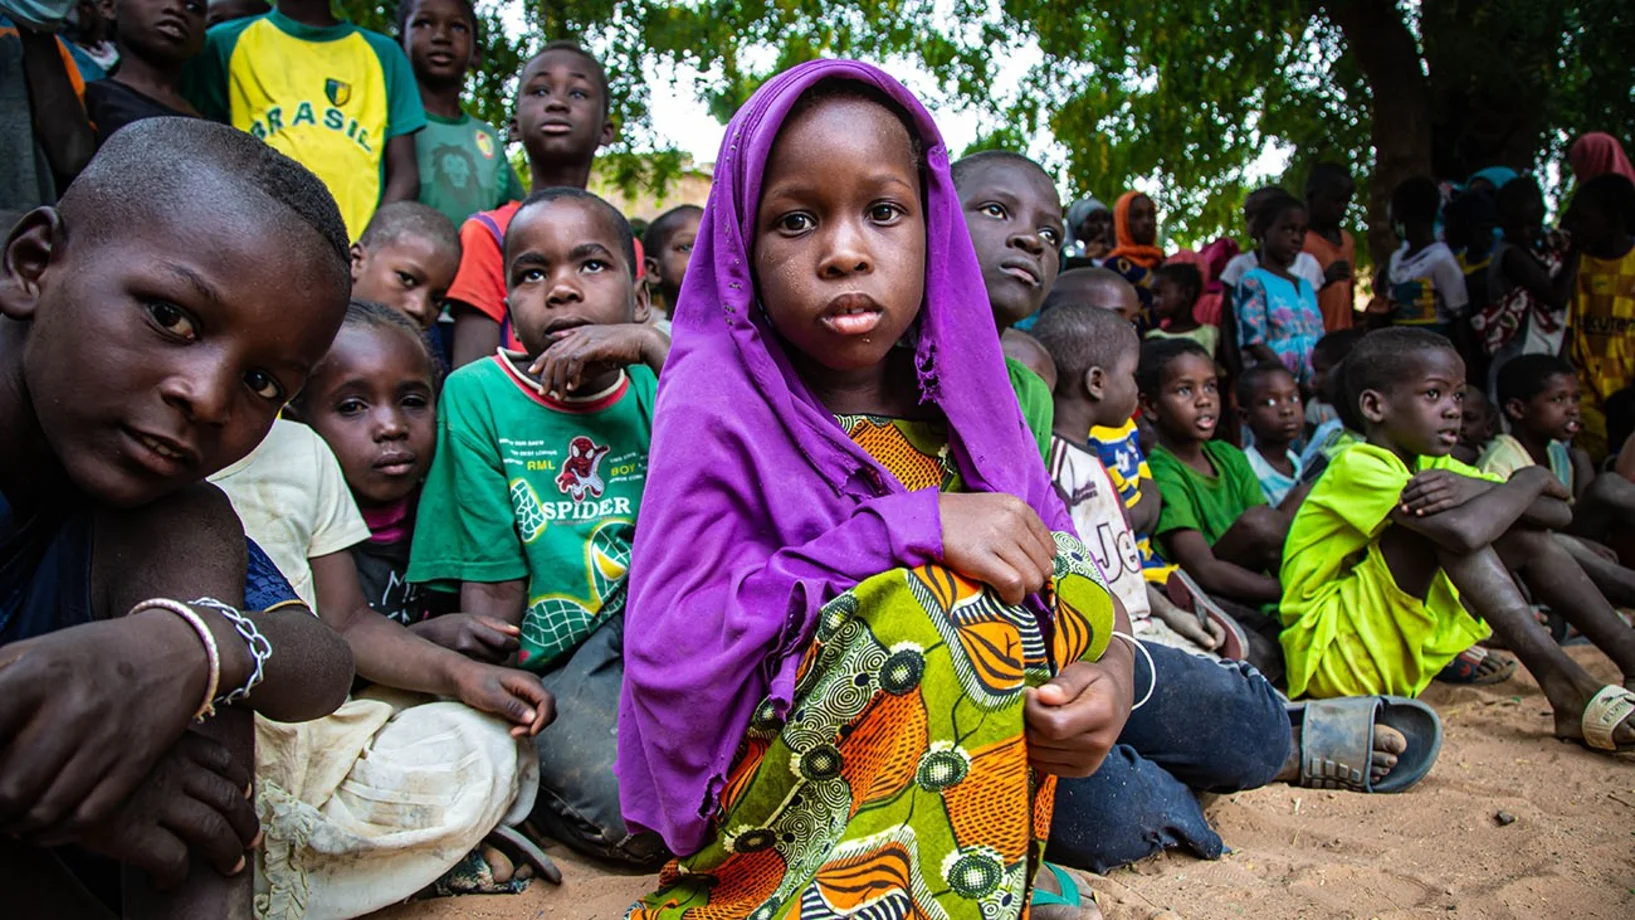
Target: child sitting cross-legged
<point x="112" y="655"/>
<point x="1269" y="401"/>
<point x="338" y="841"/>
<point x="406" y="260"/>
<point x="529" y="509"/>
<point x="1397" y="538"/>
<point x="1215" y="522"/>
<point x="1209" y="726"/>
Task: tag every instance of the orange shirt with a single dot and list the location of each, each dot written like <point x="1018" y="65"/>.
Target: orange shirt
<point x="1335" y="300"/>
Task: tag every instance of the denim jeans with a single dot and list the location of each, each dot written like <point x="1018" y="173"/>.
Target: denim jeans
<point x="1209" y="727"/>
<point x="578" y="795"/>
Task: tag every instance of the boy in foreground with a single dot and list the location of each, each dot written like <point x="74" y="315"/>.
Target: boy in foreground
<point x="160" y="246"/>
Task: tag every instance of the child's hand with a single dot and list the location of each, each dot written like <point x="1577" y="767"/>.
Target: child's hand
<point x="1075" y="719"/>
<point x="86" y="712"/>
<point x="1548" y="485"/>
<point x="483" y="638"/>
<point x="196" y="799"/>
<point x="1436" y="491"/>
<point x="1207" y="634"/>
<point x="998" y="540"/>
<point x="586" y="352"/>
<point x="508" y="692"/>
<point x="1337" y="271"/>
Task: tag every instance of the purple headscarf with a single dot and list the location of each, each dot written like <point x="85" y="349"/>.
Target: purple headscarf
<point x="760" y="509"/>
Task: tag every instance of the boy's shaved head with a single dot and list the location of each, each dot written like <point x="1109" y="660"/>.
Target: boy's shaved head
<point x="665" y="225"/>
<point x="615" y="219"/>
<point x="1384" y="358"/>
<point x="1079" y="337"/>
<point x="963" y="168"/>
<point x="410" y="218"/>
<point x="127" y="182"/>
<point x="1101" y="288"/>
<point x="196" y="266"/>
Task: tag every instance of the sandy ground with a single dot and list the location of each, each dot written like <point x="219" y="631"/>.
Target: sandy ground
<point x="1437" y="851"/>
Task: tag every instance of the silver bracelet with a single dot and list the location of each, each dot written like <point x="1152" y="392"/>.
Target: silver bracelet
<point x="260" y="648"/>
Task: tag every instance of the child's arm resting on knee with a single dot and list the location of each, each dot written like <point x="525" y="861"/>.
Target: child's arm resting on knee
<point x="1192" y="552"/>
<point x="1463" y="515"/>
<point x="390" y="654"/>
<point x="86" y="711"/>
<point x="192" y="545"/>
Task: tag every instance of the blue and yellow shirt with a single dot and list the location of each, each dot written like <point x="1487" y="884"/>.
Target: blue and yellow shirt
<point x="329" y="97"/>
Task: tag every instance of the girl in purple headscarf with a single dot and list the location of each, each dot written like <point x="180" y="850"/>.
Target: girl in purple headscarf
<point x="861" y="641"/>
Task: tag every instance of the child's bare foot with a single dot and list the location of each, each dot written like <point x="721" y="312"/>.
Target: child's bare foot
<point x="1049" y="888"/>
<point x="1611" y="717"/>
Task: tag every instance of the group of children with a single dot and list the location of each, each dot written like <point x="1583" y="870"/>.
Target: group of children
<point x="919" y="601"/>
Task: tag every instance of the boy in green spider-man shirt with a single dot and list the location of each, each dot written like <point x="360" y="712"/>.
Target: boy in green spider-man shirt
<point x="530" y="505"/>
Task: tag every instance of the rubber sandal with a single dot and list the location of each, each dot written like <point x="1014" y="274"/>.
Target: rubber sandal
<point x="1185" y="593"/>
<point x="1466" y="668"/>
<point x="1602" y="715"/>
<point x="1069" y="897"/>
<point x="1337" y="741"/>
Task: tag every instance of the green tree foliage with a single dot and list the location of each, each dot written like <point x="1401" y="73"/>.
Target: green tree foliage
<point x="1188" y="93"/>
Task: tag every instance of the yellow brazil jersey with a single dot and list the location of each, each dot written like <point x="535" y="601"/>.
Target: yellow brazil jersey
<point x="329" y="97"/>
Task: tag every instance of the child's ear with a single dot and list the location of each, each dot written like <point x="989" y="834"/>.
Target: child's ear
<point x="513" y="133"/>
<point x="644" y="301"/>
<point x="358" y="258"/>
<point x="1514" y="408"/>
<point x="34" y="242"/>
<point x="1095" y="384"/>
<point x="650" y="269"/>
<point x="1371" y="403"/>
<point x="610" y="131"/>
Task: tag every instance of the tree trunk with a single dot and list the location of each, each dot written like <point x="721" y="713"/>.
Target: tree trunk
<point x="1400" y="95"/>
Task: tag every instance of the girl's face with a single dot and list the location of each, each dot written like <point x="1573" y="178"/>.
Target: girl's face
<point x="1283" y="239"/>
<point x="839" y="251"/>
<point x="1143" y="221"/>
<point x="1188" y="402"/>
<point x="372" y="400"/>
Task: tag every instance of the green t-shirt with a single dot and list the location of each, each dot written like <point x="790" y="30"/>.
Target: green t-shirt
<point x="525" y="486"/>
<point x="463" y="168"/>
<point x="1207" y="504"/>
<point x="1037" y="408"/>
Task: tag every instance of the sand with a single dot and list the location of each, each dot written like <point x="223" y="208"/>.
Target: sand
<point x="1437" y="851"/>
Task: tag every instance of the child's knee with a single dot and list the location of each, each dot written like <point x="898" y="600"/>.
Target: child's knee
<point x="1266" y="524"/>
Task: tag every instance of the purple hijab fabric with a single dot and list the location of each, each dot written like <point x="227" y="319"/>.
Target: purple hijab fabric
<point x="759" y="508"/>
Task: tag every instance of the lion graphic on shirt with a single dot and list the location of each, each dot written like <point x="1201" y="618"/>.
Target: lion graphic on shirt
<point x="579" y="477"/>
